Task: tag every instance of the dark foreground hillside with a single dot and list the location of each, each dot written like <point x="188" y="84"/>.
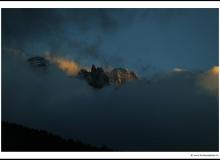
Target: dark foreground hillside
<point x="19" y="138"/>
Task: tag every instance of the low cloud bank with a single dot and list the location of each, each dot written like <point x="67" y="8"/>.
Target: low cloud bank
<point x="168" y="112"/>
<point x="210" y="80"/>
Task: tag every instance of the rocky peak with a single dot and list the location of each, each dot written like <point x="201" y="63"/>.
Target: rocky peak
<point x="96" y="78"/>
<point x="93" y="69"/>
<point x="120" y="76"/>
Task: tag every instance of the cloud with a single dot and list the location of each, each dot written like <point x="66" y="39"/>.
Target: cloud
<point x="206" y="80"/>
<point x="70" y="67"/>
<point x="171" y="113"/>
<point x="210" y="80"/>
<point x="74" y="32"/>
<point x="69" y="31"/>
<point x="178" y="70"/>
<point x="14" y="52"/>
<point x="55" y="28"/>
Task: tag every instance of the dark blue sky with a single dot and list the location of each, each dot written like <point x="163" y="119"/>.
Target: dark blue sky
<point x="142" y="39"/>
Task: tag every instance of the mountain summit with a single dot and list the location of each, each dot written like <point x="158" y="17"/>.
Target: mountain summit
<point x="96" y="77"/>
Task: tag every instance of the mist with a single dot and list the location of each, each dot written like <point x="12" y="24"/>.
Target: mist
<point x="172" y="106"/>
<point x="168" y="111"/>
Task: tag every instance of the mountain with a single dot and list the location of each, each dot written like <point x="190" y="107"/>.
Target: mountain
<point x="120" y="76"/>
<point x="19" y="138"/>
<point x="96" y="77"/>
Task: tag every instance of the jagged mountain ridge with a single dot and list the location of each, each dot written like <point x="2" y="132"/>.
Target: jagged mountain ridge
<point x="97" y="77"/>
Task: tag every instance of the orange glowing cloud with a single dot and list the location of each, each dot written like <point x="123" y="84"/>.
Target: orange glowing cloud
<point x="215" y="70"/>
<point x="70" y="67"/>
<point x="210" y="80"/>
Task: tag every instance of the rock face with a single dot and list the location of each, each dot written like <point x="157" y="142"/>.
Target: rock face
<point x="96" y="78"/>
<point x="120" y="76"/>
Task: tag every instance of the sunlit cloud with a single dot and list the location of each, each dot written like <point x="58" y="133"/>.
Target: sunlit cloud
<point x="210" y="80"/>
<point x="215" y="70"/>
<point x="70" y="67"/>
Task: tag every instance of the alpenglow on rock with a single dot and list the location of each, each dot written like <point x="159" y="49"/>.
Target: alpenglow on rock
<point x="98" y="78"/>
<point x="120" y="76"/>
